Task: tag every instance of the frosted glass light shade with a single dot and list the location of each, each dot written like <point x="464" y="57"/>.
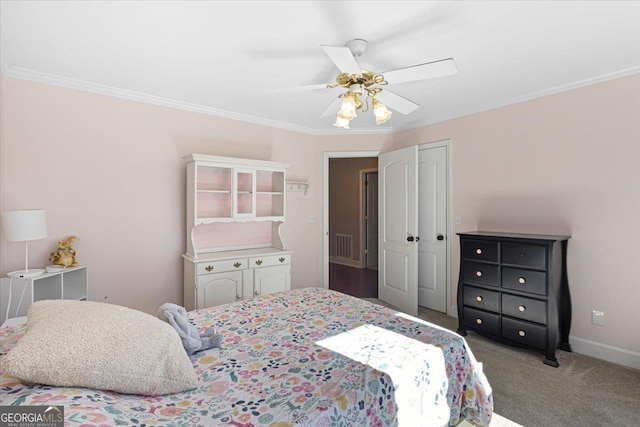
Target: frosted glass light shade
<point x="342" y="122"/>
<point x="381" y="112"/>
<point x="24" y="225"/>
<point x="348" y="108"/>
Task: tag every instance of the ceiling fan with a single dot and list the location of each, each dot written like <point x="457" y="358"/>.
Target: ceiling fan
<point x="366" y="83"/>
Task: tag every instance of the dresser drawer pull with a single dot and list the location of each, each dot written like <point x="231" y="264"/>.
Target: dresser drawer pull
<point x="256" y="293"/>
<point x="238" y="297"/>
<point x="479" y="273"/>
<point x="522" y="308"/>
<point x="479" y="298"/>
<point x="259" y="262"/>
<point x="522" y="280"/>
<point x="237" y="264"/>
<point x="479" y="251"/>
<point x="281" y="259"/>
<point x="209" y="267"/>
<point x="521" y="333"/>
<point x="479" y="321"/>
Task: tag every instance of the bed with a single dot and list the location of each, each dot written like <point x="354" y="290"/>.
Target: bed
<point x="306" y="357"/>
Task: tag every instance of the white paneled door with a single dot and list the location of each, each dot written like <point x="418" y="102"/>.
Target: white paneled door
<point x="432" y="228"/>
<point x="398" y="220"/>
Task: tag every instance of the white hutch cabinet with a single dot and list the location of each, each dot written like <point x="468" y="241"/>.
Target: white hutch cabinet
<point x="234" y="211"/>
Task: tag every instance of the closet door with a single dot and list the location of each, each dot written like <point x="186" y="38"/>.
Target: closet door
<point x="398" y="221"/>
<point x="432" y="248"/>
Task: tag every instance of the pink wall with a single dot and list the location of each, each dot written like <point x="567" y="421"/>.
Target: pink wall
<point x="110" y="171"/>
<point x="566" y="163"/>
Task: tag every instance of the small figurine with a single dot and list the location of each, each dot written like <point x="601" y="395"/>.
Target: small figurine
<point x="65" y="255"/>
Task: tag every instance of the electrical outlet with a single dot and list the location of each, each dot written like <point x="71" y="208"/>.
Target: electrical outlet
<point x="311" y="219"/>
<point x="597" y="317"/>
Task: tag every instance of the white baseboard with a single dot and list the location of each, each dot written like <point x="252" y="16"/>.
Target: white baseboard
<point x="345" y="261"/>
<point x="591" y="348"/>
<point x="605" y="352"/>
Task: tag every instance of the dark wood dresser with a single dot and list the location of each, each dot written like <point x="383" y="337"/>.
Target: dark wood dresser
<point x="513" y="288"/>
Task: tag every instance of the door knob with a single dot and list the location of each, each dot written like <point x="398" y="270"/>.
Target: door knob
<point x="440" y="237"/>
<point x="410" y="239"/>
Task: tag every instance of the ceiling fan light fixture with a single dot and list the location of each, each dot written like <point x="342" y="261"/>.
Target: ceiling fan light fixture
<point x="342" y="122"/>
<point x="381" y="112"/>
<point x="349" y="106"/>
<point x="360" y="80"/>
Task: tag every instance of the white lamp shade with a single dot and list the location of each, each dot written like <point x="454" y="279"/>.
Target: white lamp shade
<point x="24" y="225"/>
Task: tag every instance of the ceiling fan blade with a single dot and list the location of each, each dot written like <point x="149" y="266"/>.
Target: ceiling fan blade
<point x="396" y="102"/>
<point x="443" y="67"/>
<point x="333" y="108"/>
<point x="342" y="57"/>
<point x="298" y="88"/>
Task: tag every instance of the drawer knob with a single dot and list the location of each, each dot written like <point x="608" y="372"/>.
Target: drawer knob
<point x="479" y="273"/>
<point x="259" y="261"/>
<point x="238" y="297"/>
<point x="237" y="265"/>
<point x="479" y="298"/>
<point x="479" y="321"/>
<point x="256" y="293"/>
<point x="522" y="308"/>
<point x="521" y="333"/>
<point x="281" y="259"/>
<point x="209" y="267"/>
<point x="479" y="251"/>
<point x="521" y="280"/>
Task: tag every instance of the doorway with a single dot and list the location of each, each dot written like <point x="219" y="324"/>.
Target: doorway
<point x="346" y="240"/>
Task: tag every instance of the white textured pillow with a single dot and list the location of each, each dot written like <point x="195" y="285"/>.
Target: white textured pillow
<point x="100" y="346"/>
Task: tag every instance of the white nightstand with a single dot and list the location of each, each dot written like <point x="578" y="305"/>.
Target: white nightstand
<point x="70" y="283"/>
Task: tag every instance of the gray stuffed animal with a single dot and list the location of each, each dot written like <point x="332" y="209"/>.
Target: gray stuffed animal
<point x="192" y="341"/>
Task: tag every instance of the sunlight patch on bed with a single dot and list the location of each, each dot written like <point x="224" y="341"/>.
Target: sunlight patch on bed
<point x="416" y="369"/>
<point x="479" y="367"/>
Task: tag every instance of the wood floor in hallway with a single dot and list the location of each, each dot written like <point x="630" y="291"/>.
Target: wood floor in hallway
<point x="358" y="282"/>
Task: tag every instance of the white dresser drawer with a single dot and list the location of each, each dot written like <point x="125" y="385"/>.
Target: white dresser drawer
<point x="213" y="267"/>
<point x="269" y="260"/>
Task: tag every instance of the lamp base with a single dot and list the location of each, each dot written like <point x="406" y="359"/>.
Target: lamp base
<point x="22" y="274"/>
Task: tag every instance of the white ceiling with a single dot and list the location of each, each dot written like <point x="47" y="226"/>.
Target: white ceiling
<point x="219" y="57"/>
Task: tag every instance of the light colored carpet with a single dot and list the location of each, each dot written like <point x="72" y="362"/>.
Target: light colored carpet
<point x="583" y="391"/>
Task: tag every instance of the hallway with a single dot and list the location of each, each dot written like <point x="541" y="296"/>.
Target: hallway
<point x="358" y="282"/>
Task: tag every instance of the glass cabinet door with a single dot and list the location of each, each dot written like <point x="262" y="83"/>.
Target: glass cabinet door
<point x="245" y="193"/>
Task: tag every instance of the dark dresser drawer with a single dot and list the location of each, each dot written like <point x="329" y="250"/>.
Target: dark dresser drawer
<point x="531" y="304"/>
<point x="482" y="321"/>
<point x="524" y="332"/>
<point x="480" y="250"/>
<point x="526" y="255"/>
<point x="482" y="298"/>
<point x="518" y="279"/>
<point x="477" y="272"/>
<point x="524" y="308"/>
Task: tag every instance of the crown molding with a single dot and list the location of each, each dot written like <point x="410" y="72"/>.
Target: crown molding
<point x="69" y="83"/>
<point x="52" y="79"/>
<point x="533" y="95"/>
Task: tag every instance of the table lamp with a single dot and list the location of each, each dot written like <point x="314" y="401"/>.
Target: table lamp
<point x="23" y="226"/>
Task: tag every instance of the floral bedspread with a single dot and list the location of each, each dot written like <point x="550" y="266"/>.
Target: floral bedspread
<point x="308" y="357"/>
